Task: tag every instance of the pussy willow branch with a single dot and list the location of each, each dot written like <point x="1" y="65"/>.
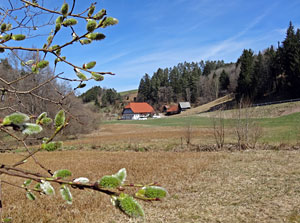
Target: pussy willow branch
<point x="22" y="161"/>
<point x="29" y="175"/>
<point x="53" y="11"/>
<point x="52" y="52"/>
<point x="26" y="174"/>
<point x="26" y="147"/>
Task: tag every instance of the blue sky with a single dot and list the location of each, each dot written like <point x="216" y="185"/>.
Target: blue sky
<point x="162" y="33"/>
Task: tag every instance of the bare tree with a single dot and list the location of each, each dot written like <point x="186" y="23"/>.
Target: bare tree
<point x="247" y="130"/>
<point x="22" y="20"/>
<point x="219" y="128"/>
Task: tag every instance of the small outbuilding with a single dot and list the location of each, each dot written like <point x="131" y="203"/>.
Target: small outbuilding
<point x="173" y="110"/>
<point x="184" y="106"/>
<point x="137" y="110"/>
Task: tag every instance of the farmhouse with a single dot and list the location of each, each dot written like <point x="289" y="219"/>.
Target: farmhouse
<point x="136" y="110"/>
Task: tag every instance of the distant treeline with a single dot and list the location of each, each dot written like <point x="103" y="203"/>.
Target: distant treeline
<point x="101" y="97"/>
<point x="272" y="73"/>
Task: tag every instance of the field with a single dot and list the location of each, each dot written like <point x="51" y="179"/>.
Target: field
<point x="250" y="186"/>
<point x="260" y="185"/>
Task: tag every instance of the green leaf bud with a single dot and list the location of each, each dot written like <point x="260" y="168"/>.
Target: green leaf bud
<point x="31" y="128"/>
<point x="54" y="47"/>
<point x="99" y="15"/>
<point x="18" y="37"/>
<point x="7" y="220"/>
<point x="85" y="41"/>
<point x="46" y="121"/>
<point x="7" y="37"/>
<point x="34" y="69"/>
<point x="97" y="77"/>
<point x="153" y="192"/>
<point x="60" y="118"/>
<point x="109" y="21"/>
<point x="95" y="36"/>
<point x="37" y="186"/>
<point x="52" y="146"/>
<point x="50" y="38"/>
<point x="42" y="64"/>
<point x="80" y="75"/>
<point x="121" y="175"/>
<point x="15" y="118"/>
<point x="58" y="52"/>
<point x="81" y="85"/>
<point x="91" y="25"/>
<point x="27" y="183"/>
<point x="59" y="20"/>
<point x="91" y="10"/>
<point x="64" y="9"/>
<point x="129" y="206"/>
<point x="57" y="27"/>
<point x="47" y="188"/>
<point x="70" y="22"/>
<point x="66" y="194"/>
<point x="30" y="196"/>
<point x="89" y="65"/>
<point x="43" y="119"/>
<point x="29" y="62"/>
<point x="109" y="182"/>
<point x="40" y="117"/>
<point x="62" y="173"/>
<point x="3" y="27"/>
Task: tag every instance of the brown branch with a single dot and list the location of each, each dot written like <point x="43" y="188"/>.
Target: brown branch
<point x="22" y="174"/>
<point x="22" y="161"/>
<point x="52" y="11"/>
<point x="26" y="147"/>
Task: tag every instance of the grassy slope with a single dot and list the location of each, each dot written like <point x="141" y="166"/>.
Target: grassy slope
<point x="275" y="130"/>
<point x="123" y="93"/>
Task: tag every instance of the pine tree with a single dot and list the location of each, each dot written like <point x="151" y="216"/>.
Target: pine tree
<point x="290" y="59"/>
<point x="224" y="80"/>
<point x="245" y="80"/>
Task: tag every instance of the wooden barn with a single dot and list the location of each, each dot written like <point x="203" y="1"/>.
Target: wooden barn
<point x="183" y="106"/>
<point x="137" y="110"/>
<point x="172" y="110"/>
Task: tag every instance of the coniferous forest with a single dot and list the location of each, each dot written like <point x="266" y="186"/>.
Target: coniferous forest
<point x="268" y="75"/>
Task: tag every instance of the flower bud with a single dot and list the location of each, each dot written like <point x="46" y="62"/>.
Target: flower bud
<point x="100" y="14"/>
<point x="70" y="22"/>
<point x="18" y="37"/>
<point x="91" y="10"/>
<point x="89" y="65"/>
<point x="64" y="9"/>
<point x="91" y="25"/>
<point x="95" y="36"/>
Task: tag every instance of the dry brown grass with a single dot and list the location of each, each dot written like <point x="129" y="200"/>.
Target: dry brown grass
<point x="251" y="186"/>
<point x="268" y="111"/>
<point x="122" y="136"/>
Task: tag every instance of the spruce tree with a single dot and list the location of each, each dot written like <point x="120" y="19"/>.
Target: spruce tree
<point x="245" y="81"/>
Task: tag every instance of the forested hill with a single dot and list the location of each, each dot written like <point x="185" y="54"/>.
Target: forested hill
<point x="271" y="74"/>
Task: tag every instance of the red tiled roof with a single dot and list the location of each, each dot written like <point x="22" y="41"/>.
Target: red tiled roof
<point x="173" y="108"/>
<point x="140" y="107"/>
